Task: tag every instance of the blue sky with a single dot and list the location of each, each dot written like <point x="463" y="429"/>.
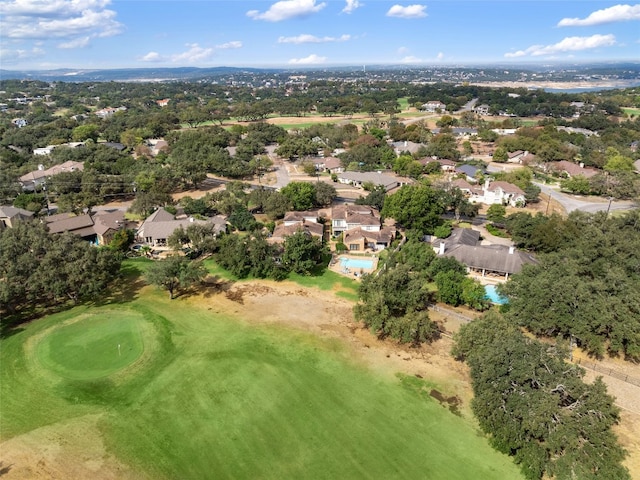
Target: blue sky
<point x="88" y="34"/>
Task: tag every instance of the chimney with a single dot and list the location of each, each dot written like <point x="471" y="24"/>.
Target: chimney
<point x="441" y="249"/>
<point x="486" y="184"/>
<point x="512" y="249"/>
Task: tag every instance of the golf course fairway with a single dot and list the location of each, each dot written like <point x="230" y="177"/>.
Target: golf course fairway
<point x="192" y="393"/>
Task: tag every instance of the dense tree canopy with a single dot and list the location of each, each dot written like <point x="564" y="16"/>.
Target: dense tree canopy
<point x="535" y="406"/>
<point x="587" y="286"/>
<point x="40" y="269"/>
<point x="394" y="304"/>
<point x="415" y="206"/>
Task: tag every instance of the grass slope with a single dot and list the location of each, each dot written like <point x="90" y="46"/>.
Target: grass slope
<point x="209" y="396"/>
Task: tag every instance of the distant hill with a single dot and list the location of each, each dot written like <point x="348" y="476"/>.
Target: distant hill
<point x="128" y="74"/>
<point x="619" y="71"/>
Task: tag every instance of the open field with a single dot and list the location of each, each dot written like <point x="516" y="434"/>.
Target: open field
<point x="230" y="382"/>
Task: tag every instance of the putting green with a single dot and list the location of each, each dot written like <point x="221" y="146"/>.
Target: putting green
<point x="95" y="346"/>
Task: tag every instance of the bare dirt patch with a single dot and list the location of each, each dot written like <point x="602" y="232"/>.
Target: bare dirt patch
<point x="323" y="313"/>
<point x="66" y="450"/>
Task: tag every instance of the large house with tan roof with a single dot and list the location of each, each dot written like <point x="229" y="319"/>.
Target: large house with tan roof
<point x="10" y="215"/>
<point x="293" y="222"/>
<point x="500" y="260"/>
<point x="570" y="169"/>
<point x="361" y="227"/>
<point x="159" y="226"/>
<point x="490" y="193"/>
<point x="36" y="178"/>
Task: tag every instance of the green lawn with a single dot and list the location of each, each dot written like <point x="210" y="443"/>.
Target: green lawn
<point x="194" y="394"/>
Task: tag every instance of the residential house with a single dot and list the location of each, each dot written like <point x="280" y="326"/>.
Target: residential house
<point x="10" y="215"/>
<point x="464" y="245"/>
<point x="446" y="165"/>
<point x="19" y="122"/>
<point x="517" y="156"/>
<point x="636" y="164"/>
<point x="157" y="145"/>
<point x="330" y="165"/>
<point x="43" y="150"/>
<point x="581" y="131"/>
<point x="570" y="169"/>
<point x="503" y="193"/>
<point x="109" y="111"/>
<point x="406" y="146"/>
<point x="434" y="106"/>
<point x="458" y="131"/>
<point x="81" y="225"/>
<point x="36" y="178"/>
<point x="115" y="145"/>
<point x="482" y="109"/>
<point x="159" y="226"/>
<point x="359" y="240"/>
<point x="348" y="217"/>
<point x="470" y="172"/>
<point x="293" y="222"/>
<point x="106" y="223"/>
<point x="357" y="179"/>
<point x="491" y="192"/>
<point x="163" y="103"/>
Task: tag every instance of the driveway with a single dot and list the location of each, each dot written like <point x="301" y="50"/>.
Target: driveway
<point x="281" y="171"/>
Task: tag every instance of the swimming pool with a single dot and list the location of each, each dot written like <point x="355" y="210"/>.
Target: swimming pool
<point x="356" y="263"/>
<point x="491" y="294"/>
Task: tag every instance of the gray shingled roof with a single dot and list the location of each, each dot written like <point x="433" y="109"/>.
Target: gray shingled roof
<point x="494" y="258"/>
<point x="80" y="224"/>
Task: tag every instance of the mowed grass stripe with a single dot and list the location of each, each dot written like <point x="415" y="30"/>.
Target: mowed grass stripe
<point x="217" y="397"/>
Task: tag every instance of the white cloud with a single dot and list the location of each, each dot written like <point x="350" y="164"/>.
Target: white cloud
<point x="312" y="59"/>
<point x="152" y="57"/>
<point x="410" y="59"/>
<point x="410" y="11"/>
<point x="287" y="9"/>
<point x="195" y="54"/>
<point x="351" y="6"/>
<point x="440" y="56"/>
<point x="12" y="56"/>
<point x="306" y="38"/>
<point x="403" y="50"/>
<point x="229" y="45"/>
<point x="617" y="13"/>
<point x="568" y="44"/>
<point x="70" y="19"/>
<point x="75" y="43"/>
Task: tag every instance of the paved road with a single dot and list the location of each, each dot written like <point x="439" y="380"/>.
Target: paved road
<point x="593" y="205"/>
<point x="467" y="107"/>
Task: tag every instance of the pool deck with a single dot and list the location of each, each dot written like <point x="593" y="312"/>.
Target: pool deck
<point x="336" y="265"/>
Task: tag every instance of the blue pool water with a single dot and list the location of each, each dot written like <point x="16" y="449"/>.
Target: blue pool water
<point x="356" y="263"/>
<point x="492" y="295"/>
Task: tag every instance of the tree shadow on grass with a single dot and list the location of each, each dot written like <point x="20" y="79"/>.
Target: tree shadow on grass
<point x="210" y="286"/>
<point x="125" y="288"/>
<point x="4" y="469"/>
